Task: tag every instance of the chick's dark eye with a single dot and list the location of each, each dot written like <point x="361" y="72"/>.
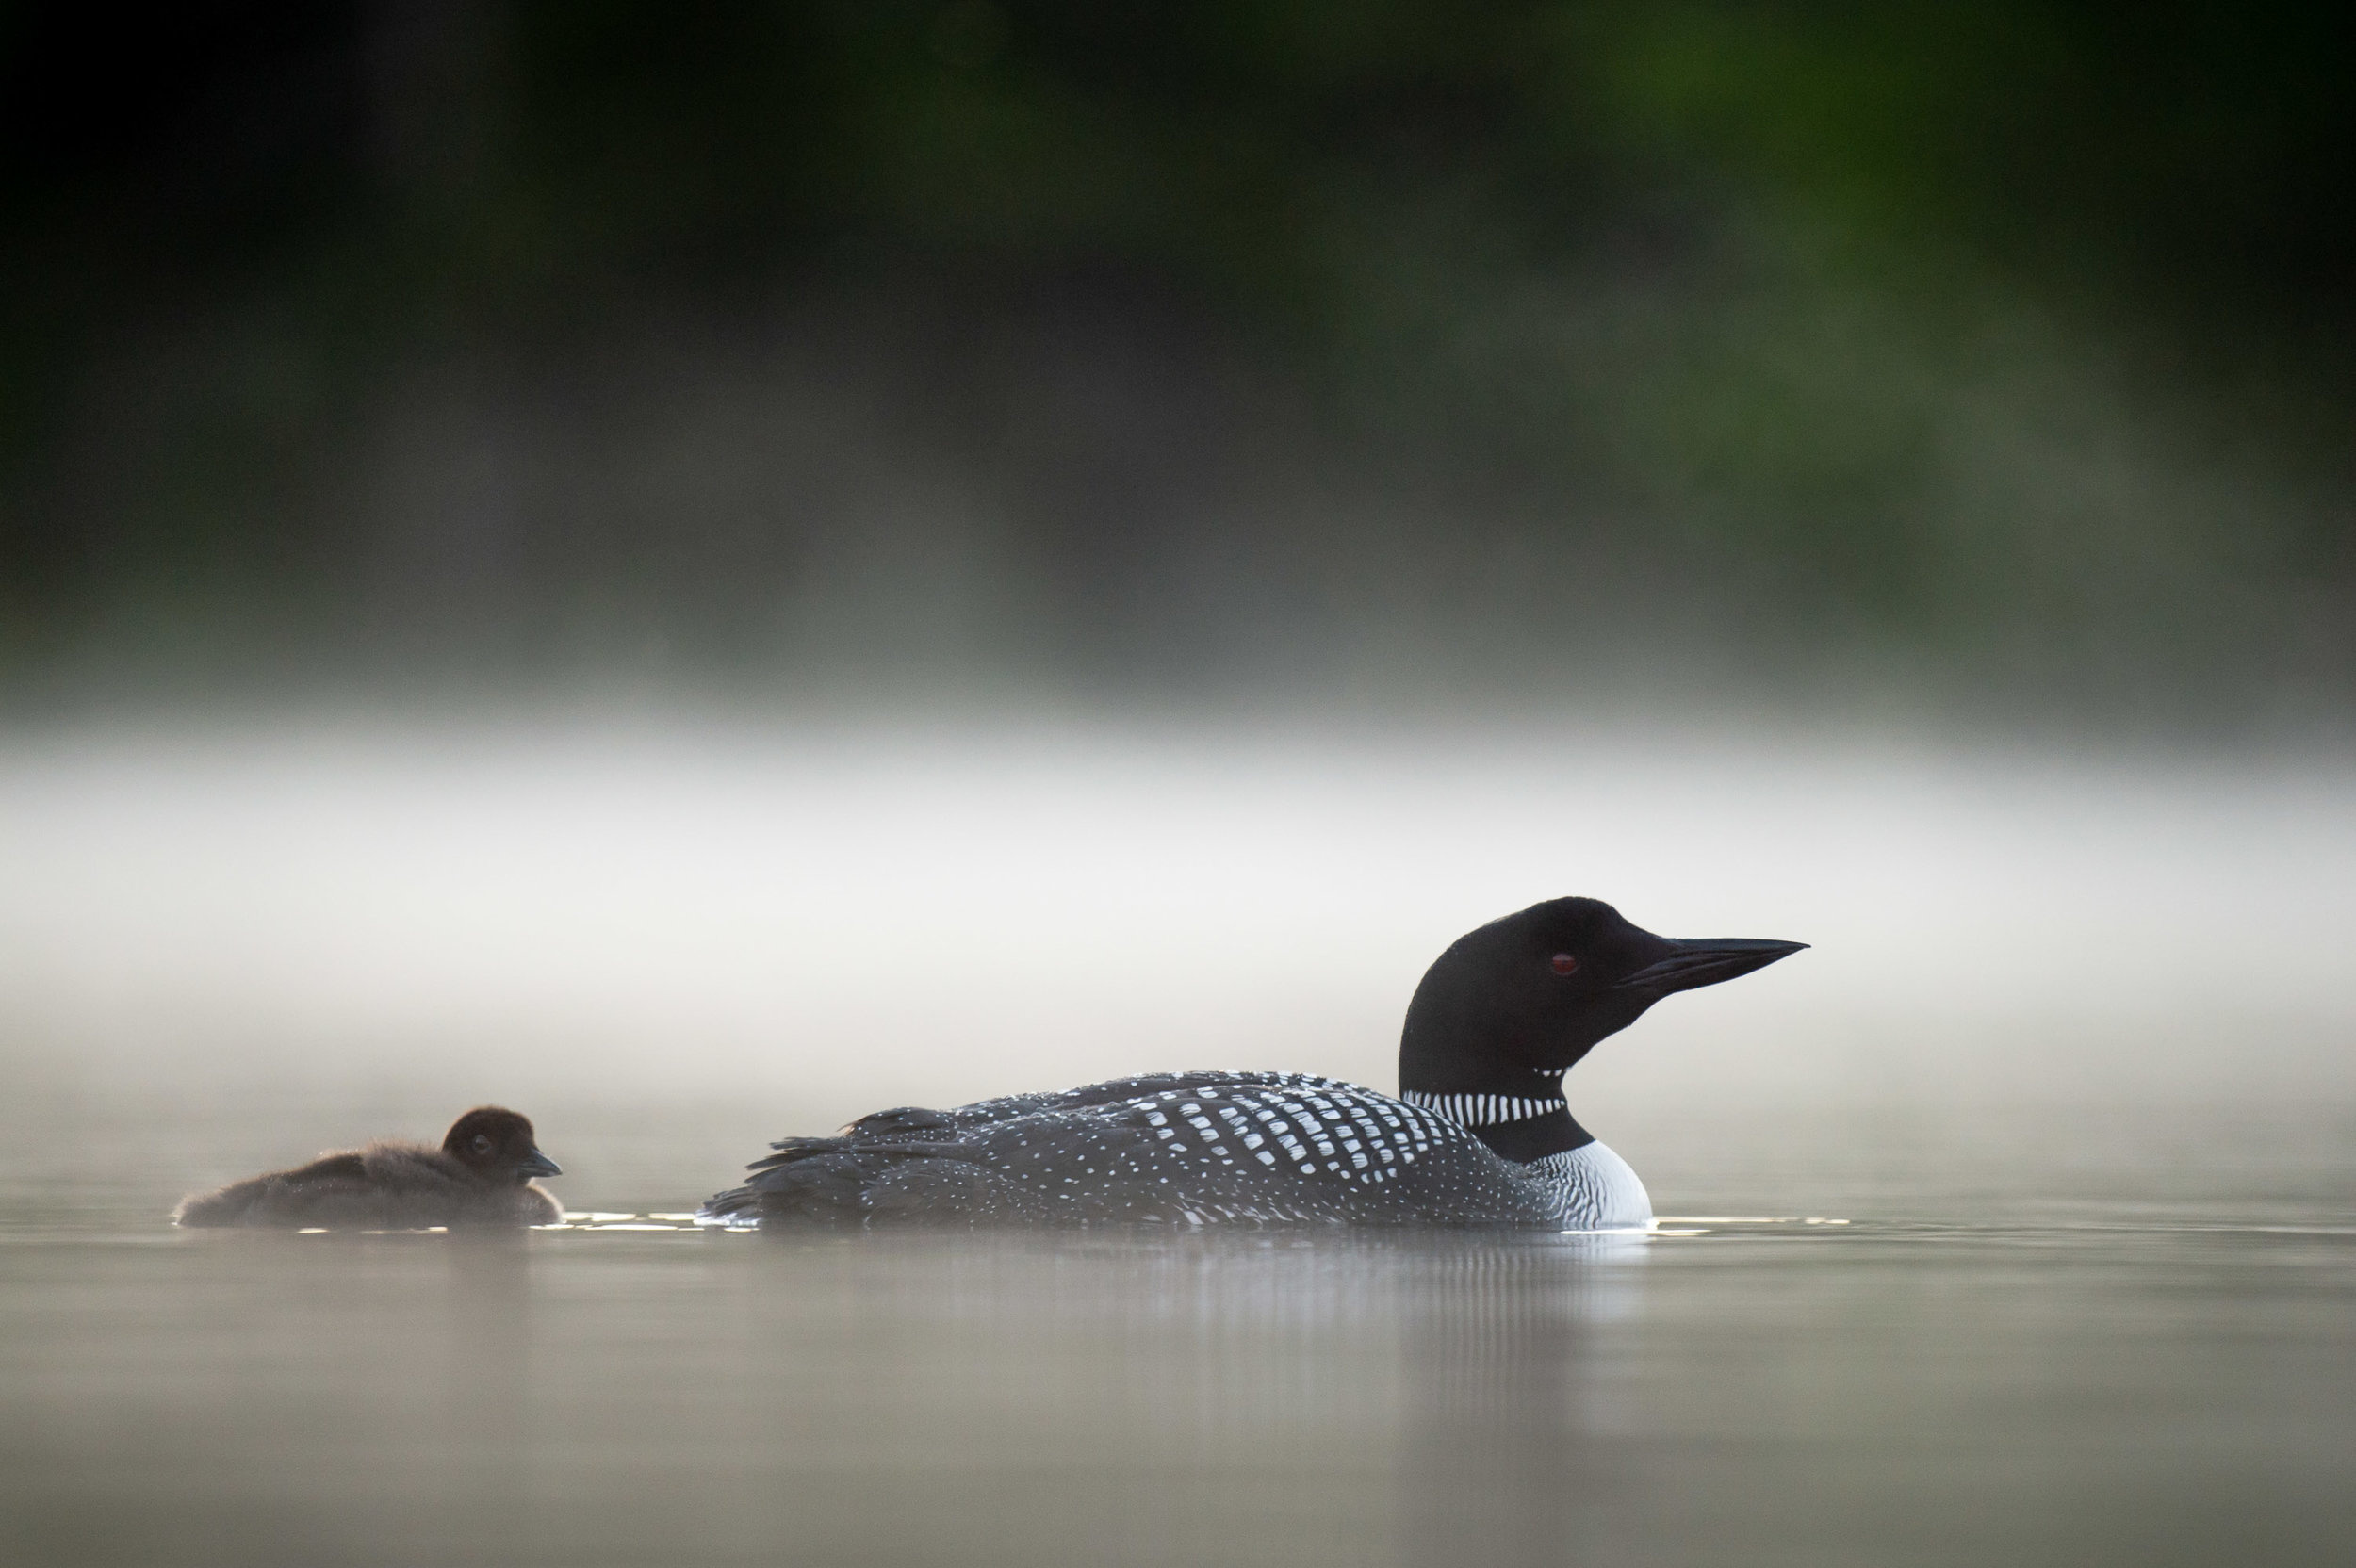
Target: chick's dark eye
<point x="1565" y="964"/>
<point x="481" y="1144"/>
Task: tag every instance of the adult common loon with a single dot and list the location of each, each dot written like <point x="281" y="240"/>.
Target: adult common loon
<point x="481" y="1175"/>
<point x="1479" y="1133"/>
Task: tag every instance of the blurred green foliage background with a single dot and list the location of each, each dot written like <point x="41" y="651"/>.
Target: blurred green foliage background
<point x="1989" y="358"/>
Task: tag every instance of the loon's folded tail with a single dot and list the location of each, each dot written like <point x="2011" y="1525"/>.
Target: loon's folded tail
<point x="839" y="1181"/>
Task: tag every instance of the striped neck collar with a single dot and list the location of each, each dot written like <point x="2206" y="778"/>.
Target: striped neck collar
<point x="1519" y="1127"/>
<point x="1483" y="1110"/>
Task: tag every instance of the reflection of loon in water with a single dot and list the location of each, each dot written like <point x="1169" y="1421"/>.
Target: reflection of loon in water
<point x="1478" y="1135"/>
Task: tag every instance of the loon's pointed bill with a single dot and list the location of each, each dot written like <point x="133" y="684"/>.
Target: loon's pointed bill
<point x="537" y="1163"/>
<point x="1478" y="1135"/>
<point x="1700" y="961"/>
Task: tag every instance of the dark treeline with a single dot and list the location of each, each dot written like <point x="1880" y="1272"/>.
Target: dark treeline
<point x="1397" y="348"/>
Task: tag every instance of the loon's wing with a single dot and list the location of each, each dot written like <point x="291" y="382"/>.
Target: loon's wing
<point x="1174" y="1148"/>
<point x="919" y="1124"/>
<point x="830" y="1179"/>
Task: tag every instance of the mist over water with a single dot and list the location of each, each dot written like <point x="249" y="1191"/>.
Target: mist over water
<point x="805" y="922"/>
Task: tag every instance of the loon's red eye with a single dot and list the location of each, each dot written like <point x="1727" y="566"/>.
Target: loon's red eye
<point x="1565" y="964"/>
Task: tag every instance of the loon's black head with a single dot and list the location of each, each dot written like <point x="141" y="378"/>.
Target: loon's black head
<point x="1511" y="1005"/>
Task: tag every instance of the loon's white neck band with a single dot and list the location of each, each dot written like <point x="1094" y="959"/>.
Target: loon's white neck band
<point x="1482" y="1110"/>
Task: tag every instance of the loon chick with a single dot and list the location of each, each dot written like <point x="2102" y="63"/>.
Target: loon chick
<point x="1479" y="1133"/>
<point x="482" y="1175"/>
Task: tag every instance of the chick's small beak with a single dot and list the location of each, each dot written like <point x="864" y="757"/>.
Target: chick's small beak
<point x="1707" y="961"/>
<point x="537" y="1163"/>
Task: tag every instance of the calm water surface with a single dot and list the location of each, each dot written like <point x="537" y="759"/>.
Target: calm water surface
<point x="2131" y="1363"/>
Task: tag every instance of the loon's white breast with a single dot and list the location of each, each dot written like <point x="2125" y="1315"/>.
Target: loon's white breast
<point x="1589" y="1187"/>
<point x="1599" y="1191"/>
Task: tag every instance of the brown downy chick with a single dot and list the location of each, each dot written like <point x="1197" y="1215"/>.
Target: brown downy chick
<point x="482" y="1175"/>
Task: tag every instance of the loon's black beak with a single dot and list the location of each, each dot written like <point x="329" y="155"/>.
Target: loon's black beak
<point x="1705" y="961"/>
<point x="537" y="1163"/>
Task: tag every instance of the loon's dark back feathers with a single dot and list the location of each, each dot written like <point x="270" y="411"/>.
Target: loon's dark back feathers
<point x="1191" y="1147"/>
